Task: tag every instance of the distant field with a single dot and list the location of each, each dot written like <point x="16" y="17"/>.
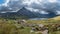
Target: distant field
<point x="44" y="21"/>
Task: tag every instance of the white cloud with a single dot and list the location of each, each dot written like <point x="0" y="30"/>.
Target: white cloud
<point x="57" y="12"/>
<point x="37" y="10"/>
<point x="29" y="2"/>
<point x="43" y="12"/>
<point x="32" y="9"/>
<point x="34" y="5"/>
<point x="3" y="12"/>
<point x="52" y="1"/>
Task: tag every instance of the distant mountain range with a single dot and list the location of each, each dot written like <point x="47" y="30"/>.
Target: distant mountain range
<point x="27" y="13"/>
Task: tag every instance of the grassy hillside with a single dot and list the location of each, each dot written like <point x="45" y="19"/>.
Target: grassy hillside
<point x="9" y="27"/>
<point x="48" y="21"/>
<point x="12" y="27"/>
<point x="56" y="18"/>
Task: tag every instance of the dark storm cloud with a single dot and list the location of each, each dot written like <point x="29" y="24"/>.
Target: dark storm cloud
<point x="46" y="5"/>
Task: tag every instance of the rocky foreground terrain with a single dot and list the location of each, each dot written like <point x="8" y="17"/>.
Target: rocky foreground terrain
<point x="49" y="26"/>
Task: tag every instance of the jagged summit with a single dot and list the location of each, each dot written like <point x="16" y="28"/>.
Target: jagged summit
<point x="25" y="12"/>
<point x="23" y="8"/>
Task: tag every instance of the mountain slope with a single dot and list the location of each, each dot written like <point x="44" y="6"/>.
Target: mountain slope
<point x="27" y="13"/>
<point x="56" y="18"/>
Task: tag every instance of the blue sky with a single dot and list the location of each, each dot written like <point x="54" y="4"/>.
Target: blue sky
<point x="1" y="1"/>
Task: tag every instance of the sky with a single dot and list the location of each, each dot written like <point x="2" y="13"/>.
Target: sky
<point x="41" y="6"/>
<point x="1" y="1"/>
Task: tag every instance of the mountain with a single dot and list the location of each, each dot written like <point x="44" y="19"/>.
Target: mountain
<point x="20" y="13"/>
<point x="27" y="13"/>
<point x="32" y="14"/>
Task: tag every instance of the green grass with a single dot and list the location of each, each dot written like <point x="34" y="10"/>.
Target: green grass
<point x="45" y="22"/>
<point x="9" y="27"/>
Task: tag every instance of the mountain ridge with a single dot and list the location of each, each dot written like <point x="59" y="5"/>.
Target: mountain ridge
<point x="30" y="14"/>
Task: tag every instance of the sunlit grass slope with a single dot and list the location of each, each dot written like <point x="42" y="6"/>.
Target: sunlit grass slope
<point x="56" y="18"/>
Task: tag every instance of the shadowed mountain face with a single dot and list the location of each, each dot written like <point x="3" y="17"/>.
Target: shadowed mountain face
<point x="27" y="13"/>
